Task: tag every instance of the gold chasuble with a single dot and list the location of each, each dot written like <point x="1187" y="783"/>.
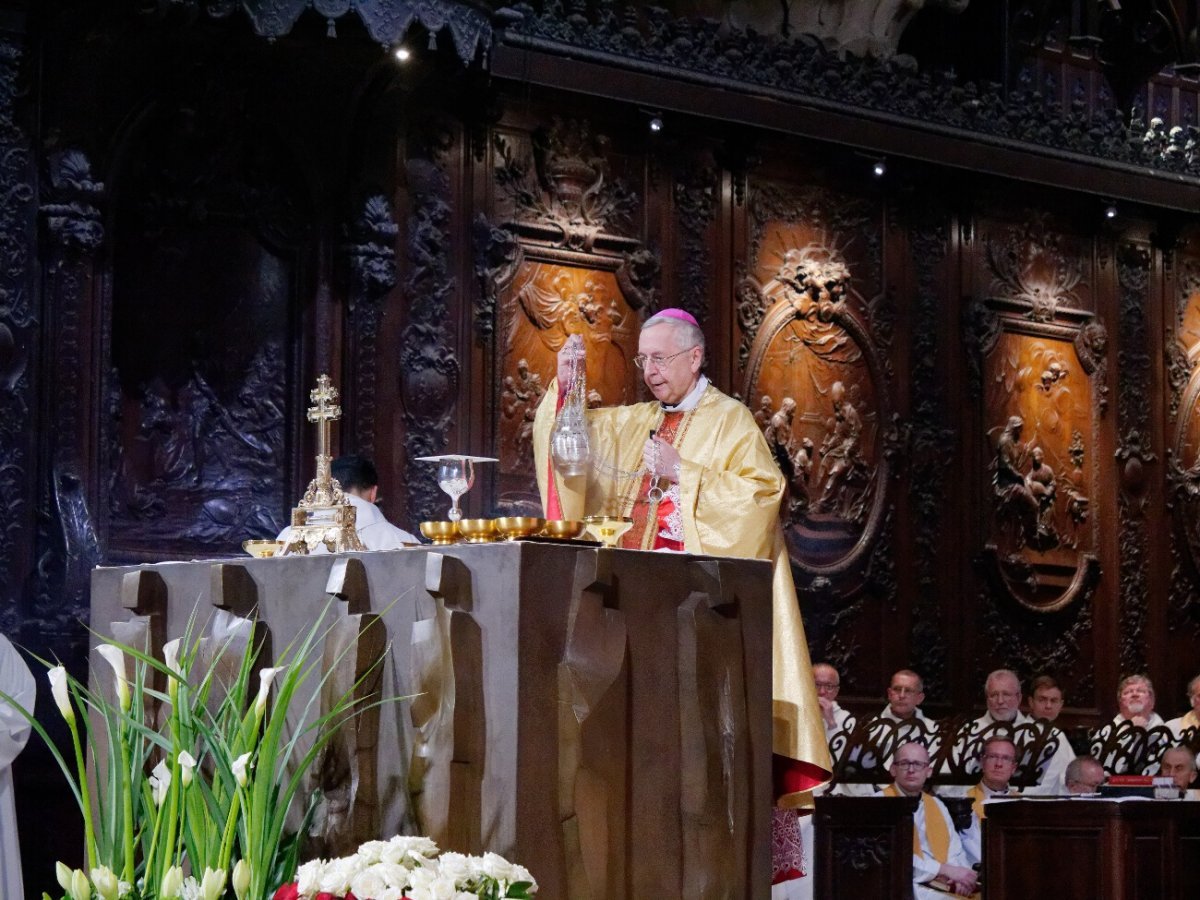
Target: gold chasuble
<point x="729" y="495"/>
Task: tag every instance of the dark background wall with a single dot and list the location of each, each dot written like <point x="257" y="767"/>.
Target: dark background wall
<point x="198" y="222"/>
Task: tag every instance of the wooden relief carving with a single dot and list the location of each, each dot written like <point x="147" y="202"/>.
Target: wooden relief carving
<point x="815" y="382"/>
<point x="1183" y="468"/>
<point x="1040" y="403"/>
<point x="558" y="263"/>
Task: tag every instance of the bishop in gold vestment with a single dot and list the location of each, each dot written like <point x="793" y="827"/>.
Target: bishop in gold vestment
<point x="704" y="482"/>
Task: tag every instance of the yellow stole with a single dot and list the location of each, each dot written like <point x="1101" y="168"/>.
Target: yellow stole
<point x="936" y="832"/>
<point x="976" y="795"/>
<point x="1190" y="721"/>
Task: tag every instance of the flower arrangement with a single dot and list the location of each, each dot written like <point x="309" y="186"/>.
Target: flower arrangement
<point x="409" y="868"/>
<point x="184" y="802"/>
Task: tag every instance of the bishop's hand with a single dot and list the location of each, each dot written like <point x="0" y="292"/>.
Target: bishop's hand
<point x="660" y="458"/>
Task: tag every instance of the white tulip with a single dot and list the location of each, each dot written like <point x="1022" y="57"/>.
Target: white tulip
<point x="115" y="658"/>
<point x="105" y="882"/>
<point x="172" y="883"/>
<point x="241" y="879"/>
<point x="58" y="688"/>
<point x="212" y="885"/>
<point x="80" y="888"/>
<point x="63" y="873"/>
<point x="241" y="769"/>
<point x="186" y="764"/>
<point x="265" y="677"/>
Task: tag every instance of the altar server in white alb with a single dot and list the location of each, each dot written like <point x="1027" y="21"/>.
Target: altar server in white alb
<point x="360" y="482"/>
<point x="17" y="682"/>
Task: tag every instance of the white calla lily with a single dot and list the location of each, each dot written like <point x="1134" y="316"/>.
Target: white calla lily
<point x="58" y="688"/>
<point x="171" y="660"/>
<point x="160" y="782"/>
<point x="116" y="659"/>
<point x="241" y="769"/>
<point x="265" y="677"/>
<point x="186" y="765"/>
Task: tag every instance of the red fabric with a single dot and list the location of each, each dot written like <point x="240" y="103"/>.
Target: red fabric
<point x="787" y="848"/>
<point x="792" y="775"/>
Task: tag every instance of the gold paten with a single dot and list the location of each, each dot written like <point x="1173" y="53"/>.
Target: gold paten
<point x="324" y="515"/>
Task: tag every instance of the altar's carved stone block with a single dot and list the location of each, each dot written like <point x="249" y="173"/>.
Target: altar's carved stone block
<point x="447" y="710"/>
<point x="714" y="803"/>
<point x="592" y="699"/>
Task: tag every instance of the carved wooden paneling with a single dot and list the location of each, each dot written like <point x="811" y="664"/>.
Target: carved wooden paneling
<point x="19" y="330"/>
<point x="206" y="273"/>
<point x="1038" y="360"/>
<point x="817" y="372"/>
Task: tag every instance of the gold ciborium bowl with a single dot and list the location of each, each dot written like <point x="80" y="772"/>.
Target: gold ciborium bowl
<point x="478" y="531"/>
<point x="513" y="528"/>
<point x="262" y="549"/>
<point x="562" y="529"/>
<point x="440" y="532"/>
<point x="608" y="529"/>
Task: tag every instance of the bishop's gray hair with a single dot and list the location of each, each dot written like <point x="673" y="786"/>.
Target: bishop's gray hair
<point x="686" y="334"/>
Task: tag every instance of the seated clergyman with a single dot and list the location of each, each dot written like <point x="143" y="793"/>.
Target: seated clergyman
<point x="828" y="683"/>
<point x="906" y="693"/>
<point x="1084" y="775"/>
<point x="1179" y="764"/>
<point x="998" y="761"/>
<point x="1002" y="692"/>
<point x="938" y="854"/>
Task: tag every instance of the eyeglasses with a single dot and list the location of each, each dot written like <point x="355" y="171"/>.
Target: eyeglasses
<point x="1002" y="695"/>
<point x="911" y="764"/>
<point x="642" y="361"/>
<point x="903" y="691"/>
<point x="996" y="757"/>
<point x="827" y="685"/>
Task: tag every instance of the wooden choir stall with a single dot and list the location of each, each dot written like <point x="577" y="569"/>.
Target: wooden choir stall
<point x="602" y="716"/>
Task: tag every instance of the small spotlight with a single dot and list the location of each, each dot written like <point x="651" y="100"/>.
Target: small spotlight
<point x="656" y="124"/>
<point x="1110" y="211"/>
<point x="879" y="168"/>
<point x="403" y="54"/>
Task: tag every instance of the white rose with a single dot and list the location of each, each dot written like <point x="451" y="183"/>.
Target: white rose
<point x="408" y="851"/>
<point x="338" y="872"/>
<point x="369" y="882"/>
<point x="520" y="873"/>
<point x="395" y="874"/>
<point x="371" y="852"/>
<point x="455" y="865"/>
<point x="438" y="888"/>
<point x="308" y="877"/>
<point x="496" y="866"/>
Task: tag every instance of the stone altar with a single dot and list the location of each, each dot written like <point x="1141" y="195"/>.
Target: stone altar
<point x="601" y="716"/>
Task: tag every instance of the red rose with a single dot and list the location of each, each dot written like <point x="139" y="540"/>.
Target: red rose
<point x="288" y="892"/>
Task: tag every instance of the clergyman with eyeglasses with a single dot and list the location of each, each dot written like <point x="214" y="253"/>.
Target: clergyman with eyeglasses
<point x="692" y="470"/>
<point x="940" y="862"/>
